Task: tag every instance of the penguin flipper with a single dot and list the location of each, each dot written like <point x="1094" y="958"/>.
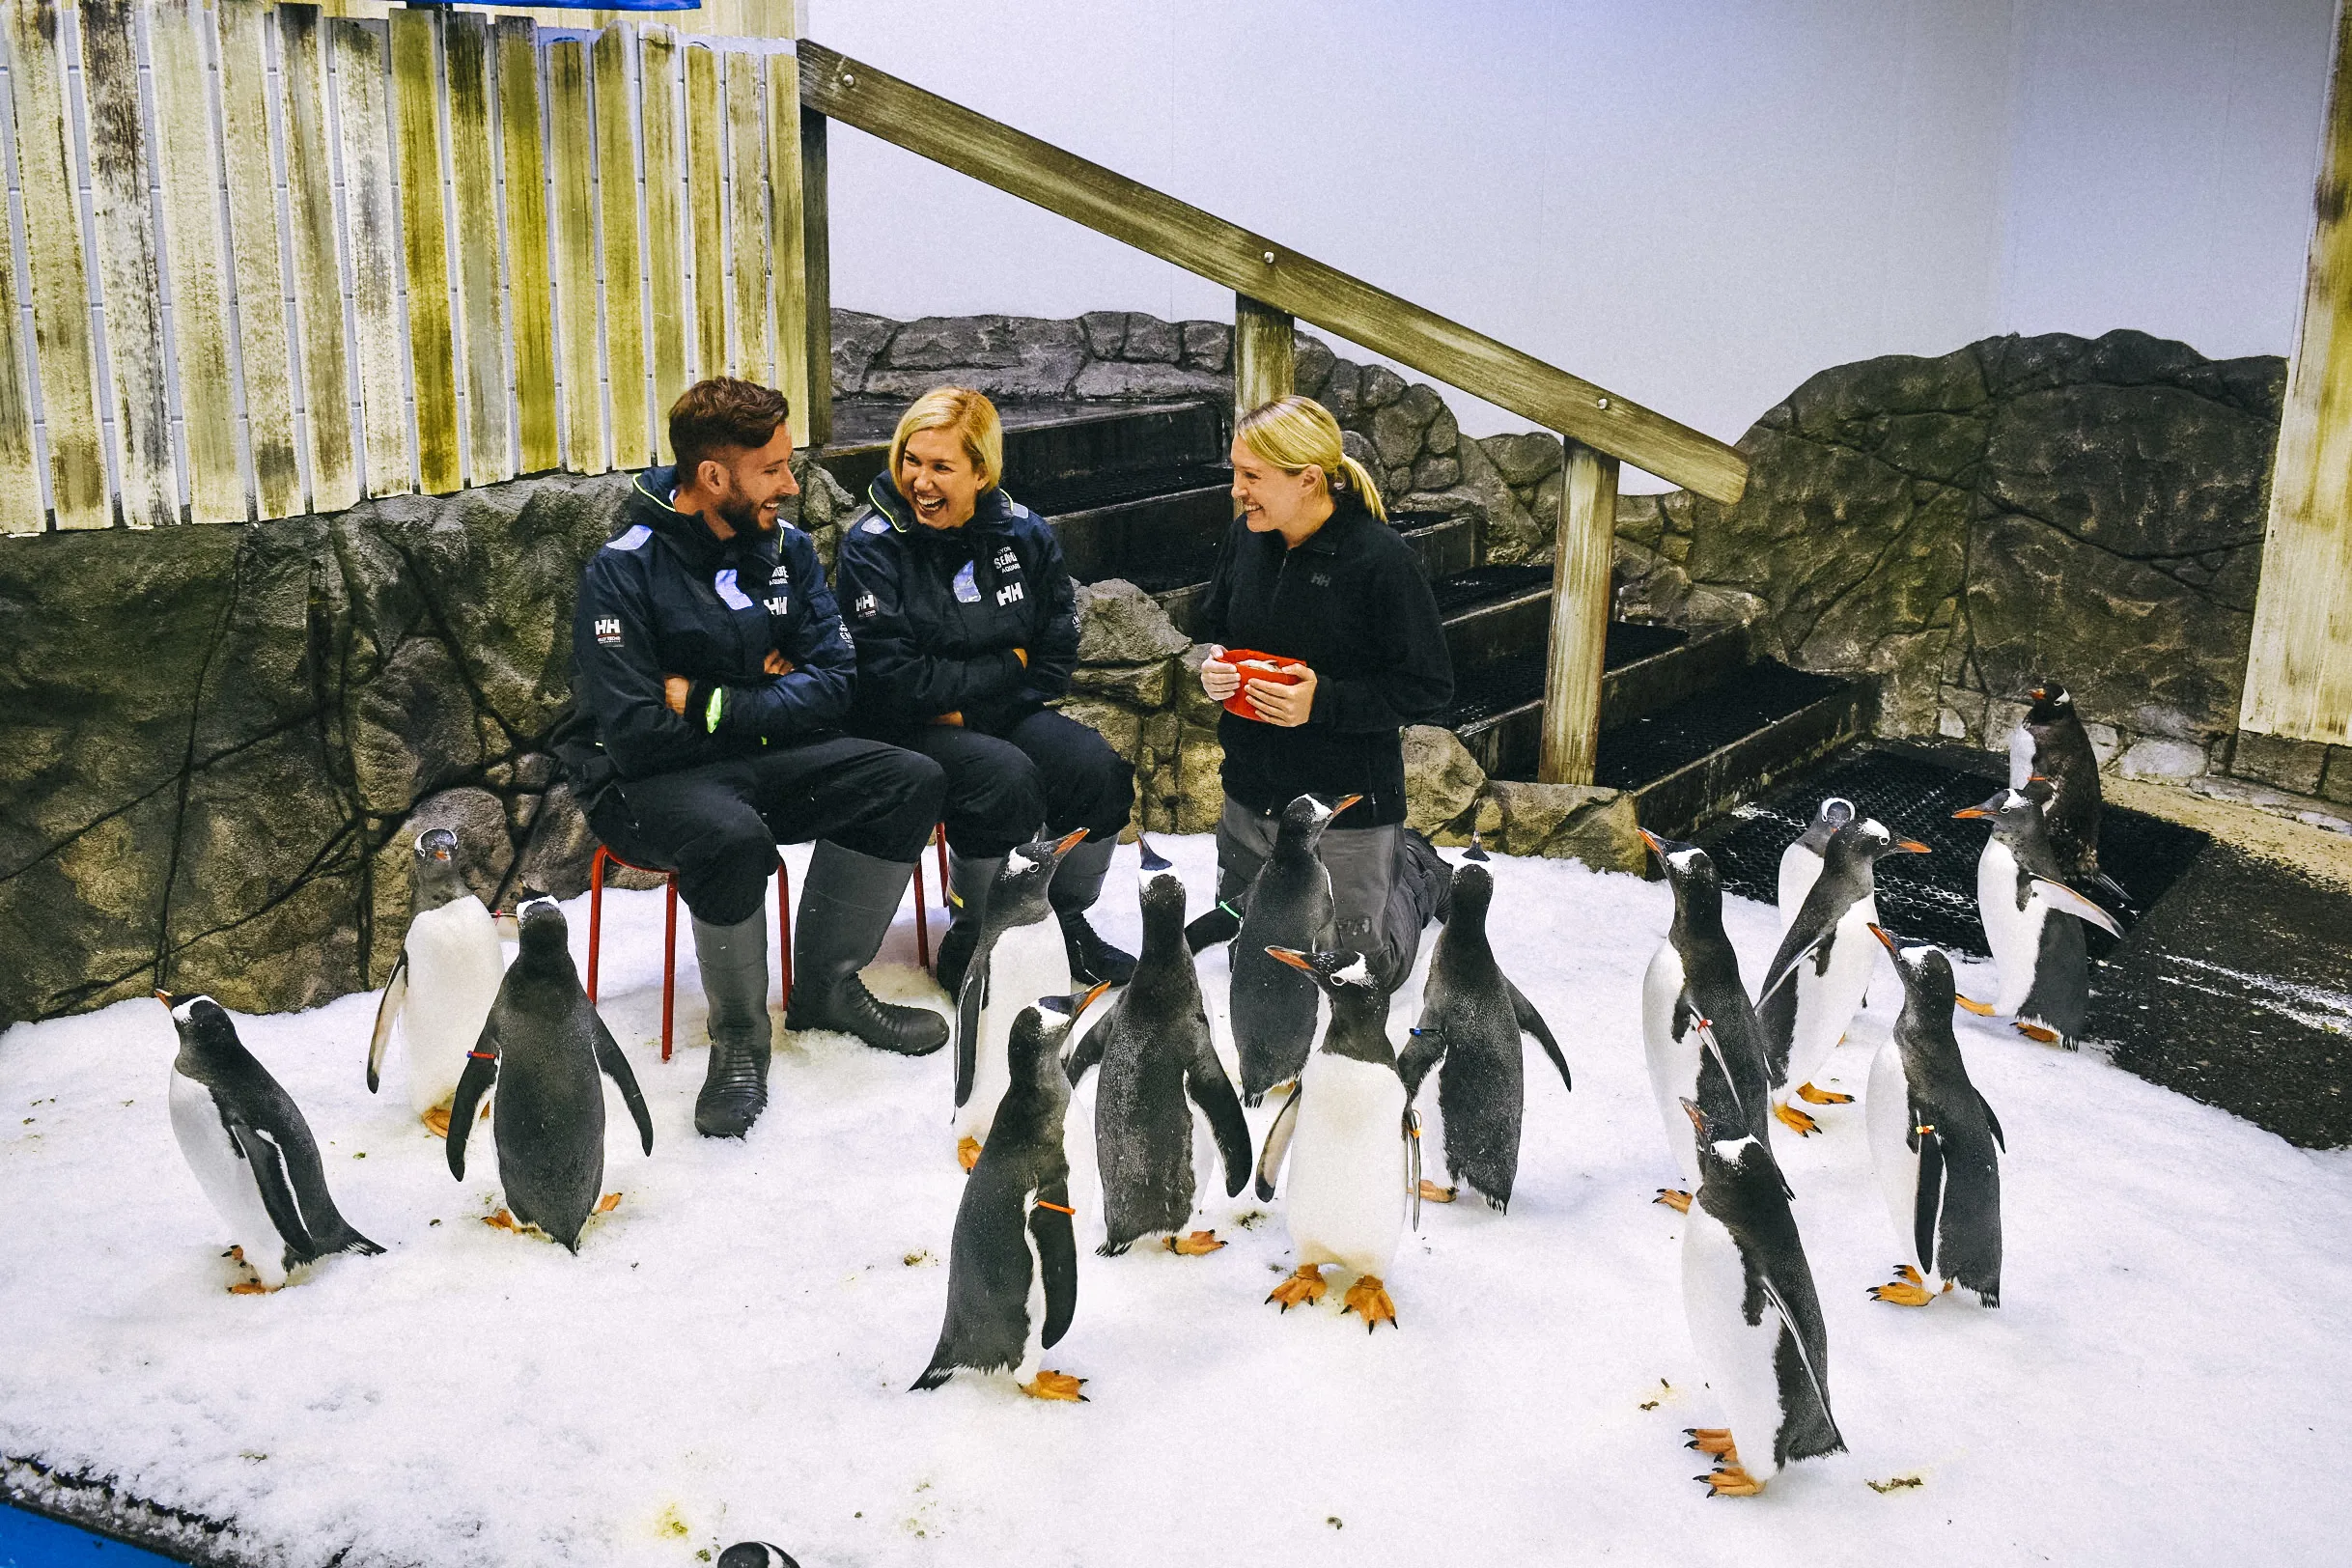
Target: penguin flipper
<point x="395" y="997"/>
<point x="971" y="1000"/>
<point x="1812" y="1372"/>
<point x="1992" y="1121"/>
<point x="1533" y="1022"/>
<point x="480" y="1070"/>
<point x="616" y="1067"/>
<point x="1212" y="1092"/>
<point x="270" y="1178"/>
<point x="1057" y="1257"/>
<point x="1808" y="931"/>
<point x="1277" y="1142"/>
<point x="2066" y="900"/>
<point x="1416" y="1062"/>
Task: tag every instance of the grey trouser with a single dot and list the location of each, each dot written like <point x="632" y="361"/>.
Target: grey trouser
<point x="1384" y="885"/>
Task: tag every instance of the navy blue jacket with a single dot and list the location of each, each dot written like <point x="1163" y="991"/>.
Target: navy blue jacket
<point x="667" y="597"/>
<point x="1353" y="604"/>
<point x="937" y="613"/>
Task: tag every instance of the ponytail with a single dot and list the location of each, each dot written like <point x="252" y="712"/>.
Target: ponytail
<point x="1296" y="433"/>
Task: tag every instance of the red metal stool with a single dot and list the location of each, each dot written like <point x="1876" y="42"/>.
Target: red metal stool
<point x="922" y="917"/>
<point x="669" y="929"/>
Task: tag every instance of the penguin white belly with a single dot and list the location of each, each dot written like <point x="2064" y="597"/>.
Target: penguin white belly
<point x="1888" y="1114"/>
<point x="1346" y="1198"/>
<point x="2021" y="751"/>
<point x="1827" y="1002"/>
<point x="1032" y="1353"/>
<point x="1736" y="1354"/>
<point x="226" y="1178"/>
<point x="1800" y="869"/>
<point x="1673" y="1064"/>
<point x="1025" y="963"/>
<point x="455" y="965"/>
<point x="2014" y="935"/>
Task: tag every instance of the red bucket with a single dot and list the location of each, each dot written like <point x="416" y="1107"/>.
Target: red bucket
<point x="1255" y="666"/>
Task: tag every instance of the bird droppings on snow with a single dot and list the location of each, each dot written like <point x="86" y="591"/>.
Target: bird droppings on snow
<point x="2176" y="1302"/>
<point x="1895" y="1483"/>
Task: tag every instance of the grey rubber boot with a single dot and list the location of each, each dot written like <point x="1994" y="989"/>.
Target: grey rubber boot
<point x="846" y="908"/>
<point x="1077" y="882"/>
<point x="968" y="880"/>
<point x="734" y="965"/>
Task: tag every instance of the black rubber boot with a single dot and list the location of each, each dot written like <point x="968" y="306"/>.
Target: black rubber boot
<point x="846" y="908"/>
<point x="1220" y="924"/>
<point x="969" y="879"/>
<point x="1433" y="877"/>
<point x="1077" y="882"/>
<point x="734" y="964"/>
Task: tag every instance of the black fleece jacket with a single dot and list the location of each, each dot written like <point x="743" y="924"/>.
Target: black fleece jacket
<point x="1353" y="604"/>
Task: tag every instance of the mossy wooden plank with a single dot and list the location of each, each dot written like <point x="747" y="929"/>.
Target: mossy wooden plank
<point x="363" y="115"/>
<point x="1265" y="354"/>
<point x="705" y="198"/>
<point x="2299" y="662"/>
<point x="788" y="239"/>
<point x="61" y="345"/>
<point x="665" y="245"/>
<point x="187" y="156"/>
<point x="816" y="264"/>
<point x="423" y="233"/>
<point x="616" y="179"/>
<point x="1583" y="548"/>
<point x="253" y="261"/>
<point x="21" y="507"/>
<point x="322" y="345"/>
<point x="746" y="218"/>
<point x="129" y="266"/>
<point x="473" y="163"/>
<point x="528" y="288"/>
<point x="571" y="224"/>
<point x="1135" y="214"/>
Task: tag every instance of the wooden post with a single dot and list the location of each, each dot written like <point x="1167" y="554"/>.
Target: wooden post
<point x="818" y="258"/>
<point x="1264" y="363"/>
<point x="1582" y="553"/>
<point x="787" y="239"/>
<point x="2298" y="663"/>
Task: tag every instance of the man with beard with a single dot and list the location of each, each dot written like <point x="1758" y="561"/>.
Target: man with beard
<point x="713" y="675"/>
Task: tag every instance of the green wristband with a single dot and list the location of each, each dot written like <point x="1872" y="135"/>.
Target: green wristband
<point x="709" y="712"/>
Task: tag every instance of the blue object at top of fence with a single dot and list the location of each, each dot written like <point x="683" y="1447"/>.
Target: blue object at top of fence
<point x="32" y="1541"/>
<point x="597" y="5"/>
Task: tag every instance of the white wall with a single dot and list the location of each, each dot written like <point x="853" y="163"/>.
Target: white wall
<point x="1696" y="203"/>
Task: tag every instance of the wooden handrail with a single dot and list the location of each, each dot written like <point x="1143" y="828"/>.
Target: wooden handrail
<point x="932" y="127"/>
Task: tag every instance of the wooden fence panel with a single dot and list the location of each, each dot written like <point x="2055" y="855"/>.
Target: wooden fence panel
<point x="704" y="194"/>
<point x="129" y="279"/>
<point x="747" y="218"/>
<point x="20" y="509"/>
<point x="466" y="60"/>
<point x="787" y="255"/>
<point x="53" y="259"/>
<point x="367" y="204"/>
<point x="570" y="220"/>
<point x="188" y="162"/>
<point x="432" y="360"/>
<point x="664" y="258"/>
<point x="259" y="275"/>
<point x="527" y="244"/>
<point x="318" y="275"/>
<point x="616" y="175"/>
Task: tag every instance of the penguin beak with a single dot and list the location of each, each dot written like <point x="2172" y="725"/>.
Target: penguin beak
<point x="1345" y="801"/>
<point x="1647" y="837"/>
<point x="1085" y="1002"/>
<point x="1697" y="1117"/>
<point x="1880" y="931"/>
<point x="1914" y="846"/>
<point x="1070" y="840"/>
<point x="1292" y="957"/>
<point x="2039" y="693"/>
<point x="165" y="997"/>
<point x="1967" y="812"/>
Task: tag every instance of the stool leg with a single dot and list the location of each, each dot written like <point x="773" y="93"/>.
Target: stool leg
<point x="595" y="914"/>
<point x="922" y="918"/>
<point x="669" y="965"/>
<point x="938" y="836"/>
<point x="784" y="925"/>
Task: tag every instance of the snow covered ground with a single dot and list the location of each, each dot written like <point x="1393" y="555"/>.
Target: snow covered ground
<point x="729" y="1354"/>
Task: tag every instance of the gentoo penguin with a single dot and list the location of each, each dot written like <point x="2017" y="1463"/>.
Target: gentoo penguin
<point x="1154" y="1051"/>
<point x="1755" y="1317"/>
<point x="1471" y="1020"/>
<point x="1935" y="1143"/>
<point x="443" y="983"/>
<point x="1018" y="956"/>
<point x="756" y="1554"/>
<point x="1818" y="978"/>
<point x="2045" y="970"/>
<point x="1012" y="1271"/>
<point x="1351" y="1142"/>
<point x="2050" y="744"/>
<point x="1800" y="861"/>
<point x="1698" y="1030"/>
<point x="1290" y="905"/>
<point x="542" y="1045"/>
<point x="250" y="1149"/>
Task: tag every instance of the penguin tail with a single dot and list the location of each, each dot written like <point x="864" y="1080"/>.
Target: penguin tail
<point x="351" y="1241"/>
<point x="933" y="1376"/>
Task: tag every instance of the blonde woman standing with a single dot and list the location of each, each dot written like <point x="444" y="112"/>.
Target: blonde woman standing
<point x="966" y="622"/>
<point x="1312" y="575"/>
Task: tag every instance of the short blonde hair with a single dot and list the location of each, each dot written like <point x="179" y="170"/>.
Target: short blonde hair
<point x="1295" y="433"/>
<point x="971" y="416"/>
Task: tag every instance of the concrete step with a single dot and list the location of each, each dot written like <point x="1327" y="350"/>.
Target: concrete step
<point x="1498" y="706"/>
<point x="1047" y="444"/>
<point x="1693" y="760"/>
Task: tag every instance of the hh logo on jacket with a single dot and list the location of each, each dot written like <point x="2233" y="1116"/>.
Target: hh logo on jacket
<point x="1009" y="594"/>
<point x="608" y="630"/>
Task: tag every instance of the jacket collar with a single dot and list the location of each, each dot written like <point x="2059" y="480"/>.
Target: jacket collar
<point x="685" y="532"/>
<point x="1347" y="513"/>
<point x="990" y="512"/>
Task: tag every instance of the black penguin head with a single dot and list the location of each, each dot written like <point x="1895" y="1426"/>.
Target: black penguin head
<point x="1926" y="973"/>
<point x="1729" y="1157"/>
<point x="2051" y="703"/>
<point x="1866" y="842"/>
<point x="199" y="1019"/>
<point x="1836" y="812"/>
<point x="1688" y="871"/>
<point x="1017" y="896"/>
<point x="1473" y="890"/>
<point x="1039" y="1033"/>
<point x="2015" y="813"/>
<point x="1334" y="973"/>
<point x="1306" y="818"/>
<point x="546" y="939"/>
<point x="756" y="1554"/>
<point x="439" y="879"/>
